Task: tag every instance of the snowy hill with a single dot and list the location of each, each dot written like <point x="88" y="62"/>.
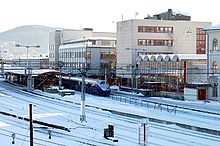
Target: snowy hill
<point x="28" y="35"/>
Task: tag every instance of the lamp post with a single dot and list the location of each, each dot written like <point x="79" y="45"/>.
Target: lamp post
<point x="133" y="66"/>
<point x="29" y="76"/>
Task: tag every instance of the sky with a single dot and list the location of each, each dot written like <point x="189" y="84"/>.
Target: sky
<point x="101" y="15"/>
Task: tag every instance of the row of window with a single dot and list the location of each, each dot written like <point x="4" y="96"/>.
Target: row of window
<point x="155" y="29"/>
<point x="51" y="47"/>
<point x="150" y="42"/>
<point x="200" y="31"/>
<point x="72" y="54"/>
<point x="200" y="41"/>
<point x="87" y="55"/>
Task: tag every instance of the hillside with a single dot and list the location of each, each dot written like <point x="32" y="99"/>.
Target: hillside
<point x="29" y="35"/>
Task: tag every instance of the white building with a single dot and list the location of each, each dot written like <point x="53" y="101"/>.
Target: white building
<point x="213" y="53"/>
<point x="148" y="36"/>
<point x="57" y="37"/>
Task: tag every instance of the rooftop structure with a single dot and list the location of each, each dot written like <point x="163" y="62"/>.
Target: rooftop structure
<point x="170" y="15"/>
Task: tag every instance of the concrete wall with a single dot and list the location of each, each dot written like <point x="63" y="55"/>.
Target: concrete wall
<point x="190" y="94"/>
<point x="54" y="43"/>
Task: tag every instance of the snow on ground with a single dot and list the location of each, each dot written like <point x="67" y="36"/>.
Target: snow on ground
<point x="65" y="111"/>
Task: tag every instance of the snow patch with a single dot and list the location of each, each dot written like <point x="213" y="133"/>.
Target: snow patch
<point x="38" y="116"/>
<point x="2" y="124"/>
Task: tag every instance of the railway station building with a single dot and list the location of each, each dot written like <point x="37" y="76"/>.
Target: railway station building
<point x="139" y="37"/>
<point x="213" y="62"/>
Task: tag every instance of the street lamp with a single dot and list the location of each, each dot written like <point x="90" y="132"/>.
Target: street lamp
<point x="29" y="77"/>
<point x="27" y="47"/>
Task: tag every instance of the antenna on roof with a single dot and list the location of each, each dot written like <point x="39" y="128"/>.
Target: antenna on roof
<point x="136" y="13"/>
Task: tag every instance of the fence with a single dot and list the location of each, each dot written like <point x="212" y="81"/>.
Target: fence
<point x="144" y="103"/>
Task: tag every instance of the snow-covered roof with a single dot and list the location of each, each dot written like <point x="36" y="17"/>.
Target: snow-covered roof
<point x="33" y="72"/>
<point x="32" y="57"/>
<point x="90" y="38"/>
<point x="181" y="13"/>
<point x="171" y="57"/>
<point x="214" y="27"/>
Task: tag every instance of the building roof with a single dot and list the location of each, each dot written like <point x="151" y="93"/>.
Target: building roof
<point x="172" y="57"/>
<point x="214" y="27"/>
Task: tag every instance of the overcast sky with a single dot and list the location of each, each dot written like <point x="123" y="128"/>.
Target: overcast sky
<point x="101" y="15"/>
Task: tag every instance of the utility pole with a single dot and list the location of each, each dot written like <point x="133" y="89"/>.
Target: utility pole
<point x="2" y="67"/>
<point x="132" y="78"/>
<point x="60" y="64"/>
<point x="31" y="126"/>
<point x="83" y="99"/>
<point x="143" y="133"/>
<point x="105" y="75"/>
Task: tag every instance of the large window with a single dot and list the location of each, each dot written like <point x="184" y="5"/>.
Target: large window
<point x="215" y="44"/>
<point x="200" y="41"/>
<point x="215" y="67"/>
<point x="149" y="42"/>
<point x="155" y="29"/>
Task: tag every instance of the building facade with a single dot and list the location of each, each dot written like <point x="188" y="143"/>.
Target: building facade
<point x="95" y="54"/>
<point x="213" y="54"/>
<point x="146" y="36"/>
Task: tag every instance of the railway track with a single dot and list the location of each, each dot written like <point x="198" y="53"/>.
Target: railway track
<point x="93" y="110"/>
